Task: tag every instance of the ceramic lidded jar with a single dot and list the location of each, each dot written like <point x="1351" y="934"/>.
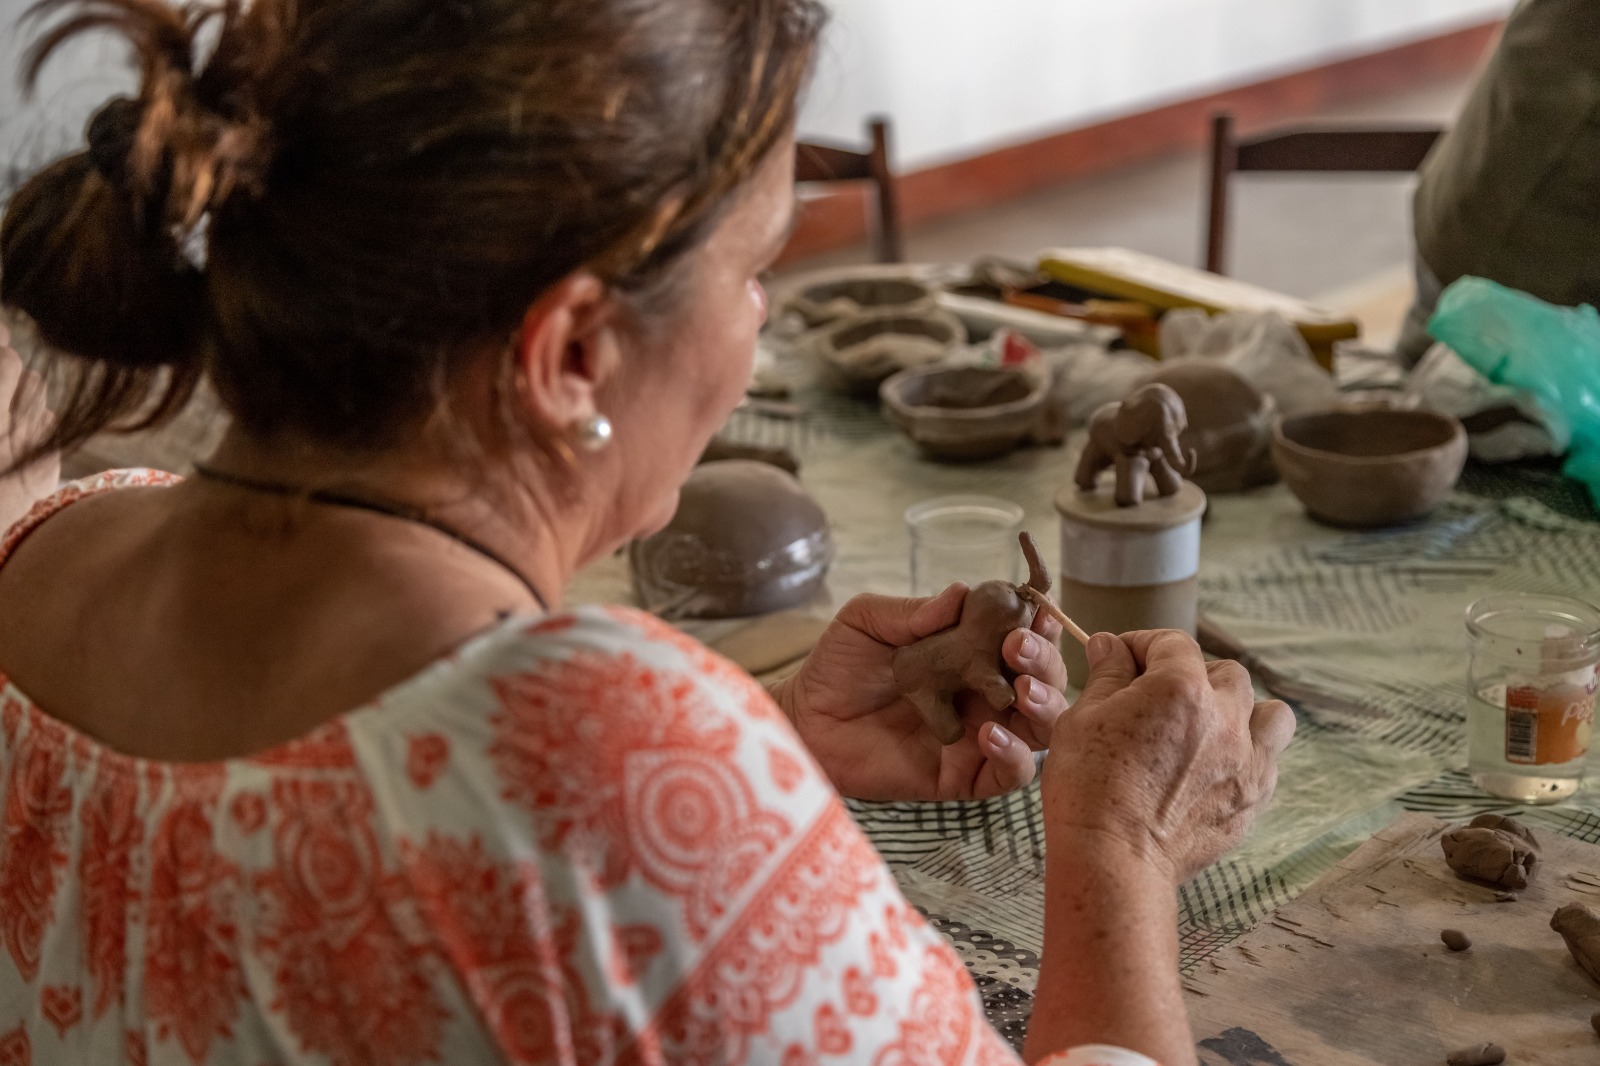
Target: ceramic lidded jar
<point x="1128" y="568"/>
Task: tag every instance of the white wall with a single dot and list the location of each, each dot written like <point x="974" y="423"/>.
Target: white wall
<point x="960" y="77"/>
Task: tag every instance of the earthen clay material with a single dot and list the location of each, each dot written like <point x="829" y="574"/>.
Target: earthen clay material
<point x="1230" y="424"/>
<point x="1138" y="437"/>
<point x="1365" y="469"/>
<point x="746" y="540"/>
<point x="857" y="354"/>
<point x="1506" y="824"/>
<point x="1594" y="1022"/>
<point x="967" y="657"/>
<point x="1579" y="926"/>
<point x="965" y="413"/>
<point x="1478" y="1055"/>
<point x="1493" y="849"/>
<point x="1455" y="940"/>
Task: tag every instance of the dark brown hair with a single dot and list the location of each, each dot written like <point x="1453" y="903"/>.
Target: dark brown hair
<point x="382" y="187"/>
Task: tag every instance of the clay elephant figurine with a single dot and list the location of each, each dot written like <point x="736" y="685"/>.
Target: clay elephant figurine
<point x="967" y="657"/>
<point x="1138" y="436"/>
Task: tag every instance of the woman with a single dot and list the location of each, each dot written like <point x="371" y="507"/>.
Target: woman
<point x="302" y="761"/>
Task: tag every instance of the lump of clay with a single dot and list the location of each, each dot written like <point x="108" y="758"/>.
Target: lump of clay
<point x="856" y="355"/>
<point x="1455" y="940"/>
<point x="1579" y="926"/>
<point x="746" y="540"/>
<point x="1230" y="424"/>
<point x="967" y="657"/>
<point x="1493" y="849"/>
<point x="1478" y="1055"/>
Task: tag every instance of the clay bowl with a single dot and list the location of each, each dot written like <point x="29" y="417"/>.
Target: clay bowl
<point x="857" y="354"/>
<point x="966" y="413"/>
<point x="830" y="301"/>
<point x="1369" y="468"/>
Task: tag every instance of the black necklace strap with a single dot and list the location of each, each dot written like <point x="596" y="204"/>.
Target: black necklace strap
<point x="388" y="508"/>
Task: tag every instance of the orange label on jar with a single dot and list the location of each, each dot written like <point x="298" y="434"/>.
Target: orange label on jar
<point x="1549" y="726"/>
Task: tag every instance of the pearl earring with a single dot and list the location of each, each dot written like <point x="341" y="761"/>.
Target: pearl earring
<point x="594" y="433"/>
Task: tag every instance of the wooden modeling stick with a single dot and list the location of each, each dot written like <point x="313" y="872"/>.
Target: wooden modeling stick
<point x="1037" y="590"/>
<point x="967" y="657"/>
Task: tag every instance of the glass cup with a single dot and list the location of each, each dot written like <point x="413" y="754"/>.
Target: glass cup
<point x="1531" y="694"/>
<point x="963" y="538"/>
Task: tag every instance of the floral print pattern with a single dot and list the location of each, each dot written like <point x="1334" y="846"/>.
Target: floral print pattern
<point x="582" y="841"/>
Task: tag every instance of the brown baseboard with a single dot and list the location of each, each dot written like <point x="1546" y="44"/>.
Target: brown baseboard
<point x="838" y="219"/>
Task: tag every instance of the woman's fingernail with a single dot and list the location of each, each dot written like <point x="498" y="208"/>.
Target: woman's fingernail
<point x="1025" y="689"/>
<point x="1099" y="647"/>
<point x="1030" y="645"/>
<point x="1000" y="738"/>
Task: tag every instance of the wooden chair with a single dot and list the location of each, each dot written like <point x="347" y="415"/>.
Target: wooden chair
<point x="1371" y="150"/>
<point x="829" y="163"/>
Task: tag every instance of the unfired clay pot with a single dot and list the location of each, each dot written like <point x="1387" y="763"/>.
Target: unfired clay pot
<point x="1230" y="425"/>
<point x="831" y="301"/>
<point x="965" y="413"/>
<point x="1368" y="468"/>
<point x="746" y="540"/>
<point x="857" y="354"/>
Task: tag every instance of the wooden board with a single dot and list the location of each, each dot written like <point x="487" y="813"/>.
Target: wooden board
<point x="1353" y="973"/>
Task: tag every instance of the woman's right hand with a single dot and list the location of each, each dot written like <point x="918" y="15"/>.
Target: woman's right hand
<point x="1164" y="754"/>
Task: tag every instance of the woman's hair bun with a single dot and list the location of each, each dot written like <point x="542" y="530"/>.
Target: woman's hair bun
<point x="111" y="135"/>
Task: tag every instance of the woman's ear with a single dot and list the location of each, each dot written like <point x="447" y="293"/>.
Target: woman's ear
<point x="566" y="350"/>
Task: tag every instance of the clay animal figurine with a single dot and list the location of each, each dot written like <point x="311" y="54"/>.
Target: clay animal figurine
<point x="1136" y="437"/>
<point x="1579" y="926"/>
<point x="1494" y="849"/>
<point x="967" y="657"/>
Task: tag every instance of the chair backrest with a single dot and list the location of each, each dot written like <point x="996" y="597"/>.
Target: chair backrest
<point x="830" y="163"/>
<point x="1389" y="149"/>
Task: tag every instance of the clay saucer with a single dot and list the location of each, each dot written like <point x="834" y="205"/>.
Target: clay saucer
<point x="961" y="414"/>
<point x="1369" y="468"/>
<point x="857" y="354"/>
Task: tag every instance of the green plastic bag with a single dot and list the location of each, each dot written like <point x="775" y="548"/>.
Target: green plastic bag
<point x="1551" y="353"/>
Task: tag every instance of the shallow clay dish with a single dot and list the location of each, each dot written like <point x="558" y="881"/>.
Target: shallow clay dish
<point x="830" y="301"/>
<point x="1363" y="469"/>
<point x="965" y="413"/>
<point x="857" y="354"/>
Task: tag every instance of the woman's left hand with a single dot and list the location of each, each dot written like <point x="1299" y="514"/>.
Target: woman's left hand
<point x="870" y="739"/>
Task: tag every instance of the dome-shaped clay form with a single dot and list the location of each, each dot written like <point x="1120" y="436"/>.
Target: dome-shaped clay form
<point x="965" y="413"/>
<point x="832" y="301"/>
<point x="1230" y="425"/>
<point x="746" y="540"/>
<point x="856" y="354"/>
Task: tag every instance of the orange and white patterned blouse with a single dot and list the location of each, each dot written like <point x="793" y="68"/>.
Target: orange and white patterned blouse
<point x="581" y="840"/>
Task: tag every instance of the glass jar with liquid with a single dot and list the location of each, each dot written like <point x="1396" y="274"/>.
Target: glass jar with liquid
<point x="1531" y="694"/>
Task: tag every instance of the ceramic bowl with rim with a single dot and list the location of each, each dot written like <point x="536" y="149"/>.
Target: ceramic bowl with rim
<point x="830" y="301"/>
<point x="1367" y="468"/>
<point x="965" y="413"/>
<point x="856" y="355"/>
